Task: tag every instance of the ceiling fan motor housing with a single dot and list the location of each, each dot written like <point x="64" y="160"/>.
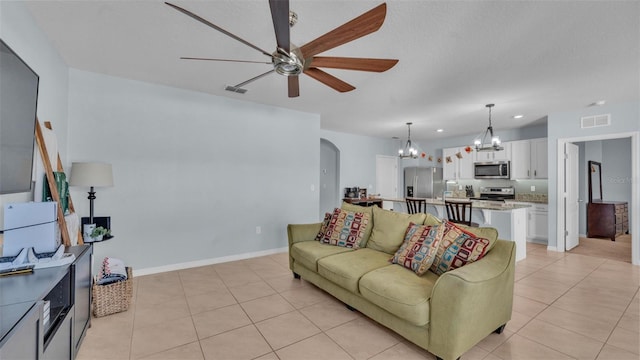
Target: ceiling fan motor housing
<point x="287" y="64"/>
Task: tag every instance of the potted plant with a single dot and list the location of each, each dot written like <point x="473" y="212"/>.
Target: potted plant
<point x="98" y="233"/>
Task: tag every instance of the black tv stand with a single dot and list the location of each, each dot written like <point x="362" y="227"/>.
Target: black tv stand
<point x="25" y="332"/>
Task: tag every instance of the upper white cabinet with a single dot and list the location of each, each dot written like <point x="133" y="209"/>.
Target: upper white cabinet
<point x="529" y="159"/>
<point x="502" y="155"/>
<point x="459" y="168"/>
<point x="539" y="164"/>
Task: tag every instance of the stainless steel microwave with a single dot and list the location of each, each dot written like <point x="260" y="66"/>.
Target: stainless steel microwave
<point x="492" y="170"/>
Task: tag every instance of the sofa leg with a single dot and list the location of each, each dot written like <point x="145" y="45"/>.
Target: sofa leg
<point x="439" y="358"/>
<point x="500" y="329"/>
<point x="351" y="308"/>
<point x="296" y="276"/>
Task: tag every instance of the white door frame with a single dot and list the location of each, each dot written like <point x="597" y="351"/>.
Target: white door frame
<point x="635" y="189"/>
<point x="394" y="176"/>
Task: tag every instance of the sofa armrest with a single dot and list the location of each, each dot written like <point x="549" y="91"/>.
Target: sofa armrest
<point x="301" y="232"/>
<point x="470" y="302"/>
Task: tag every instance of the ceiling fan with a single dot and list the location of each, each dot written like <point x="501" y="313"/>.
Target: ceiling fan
<point x="290" y="61"/>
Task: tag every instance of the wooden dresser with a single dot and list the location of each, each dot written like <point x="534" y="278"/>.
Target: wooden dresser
<point x="607" y="219"/>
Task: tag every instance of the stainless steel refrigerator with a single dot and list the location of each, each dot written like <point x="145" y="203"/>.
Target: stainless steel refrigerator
<point x="423" y="182"/>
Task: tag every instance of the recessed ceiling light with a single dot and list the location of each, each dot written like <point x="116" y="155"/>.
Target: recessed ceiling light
<point x="440" y="130"/>
<point x="518" y="116"/>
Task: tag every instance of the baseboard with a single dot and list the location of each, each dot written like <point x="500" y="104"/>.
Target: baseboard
<point x="552" y="248"/>
<point x="205" y="262"/>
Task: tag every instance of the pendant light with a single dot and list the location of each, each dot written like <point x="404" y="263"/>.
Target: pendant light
<point x="409" y="151"/>
<point x="481" y="142"/>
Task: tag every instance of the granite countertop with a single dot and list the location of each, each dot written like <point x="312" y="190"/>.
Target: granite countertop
<point x="532" y="198"/>
<point x="477" y="204"/>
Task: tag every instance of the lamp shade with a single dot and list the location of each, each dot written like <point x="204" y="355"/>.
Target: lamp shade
<point x="91" y="174"/>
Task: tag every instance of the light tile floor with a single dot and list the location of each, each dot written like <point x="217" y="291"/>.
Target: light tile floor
<point x="566" y="306"/>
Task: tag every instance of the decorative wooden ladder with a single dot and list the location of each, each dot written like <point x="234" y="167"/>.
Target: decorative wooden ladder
<point x="53" y="187"/>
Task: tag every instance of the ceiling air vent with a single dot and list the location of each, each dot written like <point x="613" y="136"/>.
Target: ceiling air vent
<point x="595" y="121"/>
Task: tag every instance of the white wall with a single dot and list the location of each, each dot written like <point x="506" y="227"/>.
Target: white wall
<point x="358" y="158"/>
<point x="625" y="118"/>
<point x="194" y="173"/>
<point x="19" y="30"/>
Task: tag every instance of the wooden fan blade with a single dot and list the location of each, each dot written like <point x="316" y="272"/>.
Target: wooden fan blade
<point x="280" y="16"/>
<point x="362" y="25"/>
<point x="230" y="60"/>
<point x="294" y="86"/>
<point x="210" y="24"/>
<point x="347" y="63"/>
<point x="329" y="80"/>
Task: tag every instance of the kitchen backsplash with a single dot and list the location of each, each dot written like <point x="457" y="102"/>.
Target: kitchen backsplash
<point x="523" y="188"/>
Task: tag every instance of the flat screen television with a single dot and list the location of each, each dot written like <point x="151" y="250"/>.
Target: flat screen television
<point x="18" y="103"/>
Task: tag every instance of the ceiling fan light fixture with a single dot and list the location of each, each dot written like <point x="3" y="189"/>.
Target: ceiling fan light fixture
<point x="408" y="152"/>
<point x="482" y="145"/>
<point x="287" y="64"/>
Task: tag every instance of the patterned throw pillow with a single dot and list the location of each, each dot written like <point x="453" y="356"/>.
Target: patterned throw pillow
<point x="420" y="245"/>
<point x="323" y="227"/>
<point x="346" y="228"/>
<point x="458" y="248"/>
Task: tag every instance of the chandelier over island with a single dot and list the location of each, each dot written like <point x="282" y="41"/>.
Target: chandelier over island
<point x="482" y="142"/>
<point x="409" y="151"/>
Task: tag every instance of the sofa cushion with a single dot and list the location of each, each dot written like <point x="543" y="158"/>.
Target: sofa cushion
<point x="346" y="228"/>
<point x="458" y="248"/>
<point x="419" y="248"/>
<point x="347" y="268"/>
<point x="488" y="233"/>
<point x="323" y="227"/>
<point x="363" y="209"/>
<point x="389" y="228"/>
<point x="432" y="220"/>
<point x="400" y="291"/>
<point x="308" y="253"/>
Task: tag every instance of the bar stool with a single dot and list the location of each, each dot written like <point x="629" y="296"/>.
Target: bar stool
<point x="457" y="212"/>
<point x="415" y="206"/>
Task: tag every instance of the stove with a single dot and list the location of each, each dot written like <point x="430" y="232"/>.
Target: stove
<point x="496" y="193"/>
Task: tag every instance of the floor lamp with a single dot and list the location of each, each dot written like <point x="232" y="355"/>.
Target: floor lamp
<point x="92" y="174"/>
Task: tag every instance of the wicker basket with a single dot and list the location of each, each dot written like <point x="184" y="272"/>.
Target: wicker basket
<point x="112" y="298"/>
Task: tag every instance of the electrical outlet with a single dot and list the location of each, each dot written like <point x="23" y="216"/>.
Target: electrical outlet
<point x="258" y="230"/>
<point x="533" y="188"/>
<point x="459" y="187"/>
<point x="313" y="187"/>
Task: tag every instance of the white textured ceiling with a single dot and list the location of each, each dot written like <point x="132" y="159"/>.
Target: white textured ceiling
<point x="527" y="57"/>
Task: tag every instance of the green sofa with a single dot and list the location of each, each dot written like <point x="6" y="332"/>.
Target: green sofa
<point x="446" y="315"/>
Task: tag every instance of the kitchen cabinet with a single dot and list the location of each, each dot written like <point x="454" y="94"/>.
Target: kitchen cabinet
<point x="529" y="159"/>
<point x="539" y="164"/>
<point x="502" y="155"/>
<point x="537" y="223"/>
<point x="457" y="168"/>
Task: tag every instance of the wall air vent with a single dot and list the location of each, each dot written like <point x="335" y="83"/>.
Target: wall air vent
<point x="595" y="121"/>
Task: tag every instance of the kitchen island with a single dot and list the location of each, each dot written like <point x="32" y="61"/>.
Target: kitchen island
<point x="510" y="219"/>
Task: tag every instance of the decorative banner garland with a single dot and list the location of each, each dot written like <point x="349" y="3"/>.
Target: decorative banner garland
<point x="447" y="159"/>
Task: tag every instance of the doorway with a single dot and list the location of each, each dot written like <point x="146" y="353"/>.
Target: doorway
<point x="634" y="202"/>
<point x="387" y="179"/>
<point x="329" y="177"/>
